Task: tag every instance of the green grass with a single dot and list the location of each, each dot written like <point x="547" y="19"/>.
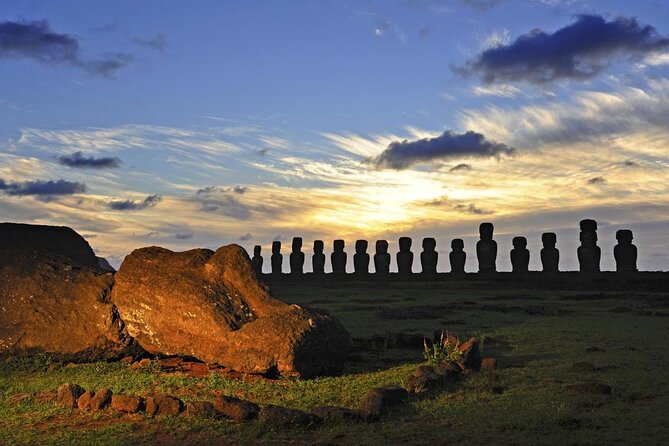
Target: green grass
<point x="535" y="351"/>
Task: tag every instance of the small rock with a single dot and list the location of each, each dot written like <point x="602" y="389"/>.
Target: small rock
<point x="163" y="405"/>
<point x="583" y="367"/>
<point x="68" y="394"/>
<point x="101" y="399"/>
<point x="84" y="401"/>
<point x="235" y="408"/>
<point x="335" y="414"/>
<point x="145" y="362"/>
<point x="593" y="388"/>
<point x="380" y="398"/>
<point x="48" y="396"/>
<point x="127" y="360"/>
<point x="201" y="409"/>
<point x="126" y="403"/>
<point x="488" y="364"/>
<point x="277" y="416"/>
<point x="471" y="355"/>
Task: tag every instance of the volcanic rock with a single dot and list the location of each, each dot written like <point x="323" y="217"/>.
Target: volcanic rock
<point x="209" y="305"/>
<point x="126" y="403"/>
<point x="200" y="409"/>
<point x="163" y="405"/>
<point x="101" y="399"/>
<point x="235" y="409"/>
<point x="380" y="398"/>
<point x="282" y="417"/>
<point x="84" y="401"/>
<point x="68" y="394"/>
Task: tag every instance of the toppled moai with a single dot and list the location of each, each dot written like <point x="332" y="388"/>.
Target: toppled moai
<point x="486" y="249"/>
<point x="550" y="255"/>
<point x="457" y="256"/>
<point x="297" y="257"/>
<point x="520" y="255"/>
<point x="257" y="260"/>
<point x="277" y="258"/>
<point x="318" y="259"/>
<point x="382" y="258"/>
<point x="589" y="254"/>
<point x="361" y="258"/>
<point x="404" y="256"/>
<point x="625" y="252"/>
<point x="338" y="257"/>
<point x="429" y="257"/>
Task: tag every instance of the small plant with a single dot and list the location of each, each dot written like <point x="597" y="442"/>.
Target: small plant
<point x="447" y="349"/>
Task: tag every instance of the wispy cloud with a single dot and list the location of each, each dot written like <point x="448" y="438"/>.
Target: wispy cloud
<point x="134" y="205"/>
<point x="157" y="42"/>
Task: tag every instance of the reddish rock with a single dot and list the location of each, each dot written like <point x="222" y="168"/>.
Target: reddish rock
<point x="101" y="399"/>
<point x="200" y="409"/>
<point x="46" y="397"/>
<point x="380" y="398"/>
<point x="282" y="417"/>
<point x="471" y="355"/>
<point x="126" y="403"/>
<point x="209" y="305"/>
<point x="235" y="409"/>
<point x="333" y="414"/>
<point x="68" y="394"/>
<point x="163" y="405"/>
<point x="84" y="401"/>
<point x="488" y="364"/>
<point x="592" y="388"/>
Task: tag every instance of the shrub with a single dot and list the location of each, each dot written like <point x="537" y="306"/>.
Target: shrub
<point x="447" y="349"/>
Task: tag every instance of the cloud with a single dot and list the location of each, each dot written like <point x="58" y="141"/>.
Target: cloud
<point x="597" y="180"/>
<point x="481" y="5"/>
<point x="503" y="91"/>
<point x="183" y="235"/>
<point x="78" y="160"/>
<point x="246" y="237"/>
<point x="223" y="200"/>
<point x="578" y="51"/>
<point x="133" y="205"/>
<point x="460" y="167"/>
<point x="157" y="42"/>
<point x="403" y="154"/>
<point x="42" y="188"/>
<point x="384" y="27"/>
<point x="471" y="209"/>
<point x="35" y="40"/>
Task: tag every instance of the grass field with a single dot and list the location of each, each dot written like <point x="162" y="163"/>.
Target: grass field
<point x="536" y="337"/>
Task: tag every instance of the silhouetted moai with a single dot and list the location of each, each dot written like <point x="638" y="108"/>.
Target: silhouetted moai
<point x="256" y="261"/>
<point x="297" y="257"/>
<point x="520" y="256"/>
<point x="338" y="257"/>
<point x="486" y="249"/>
<point x="318" y="259"/>
<point x="382" y="258"/>
<point x="277" y="258"/>
<point x="429" y="257"/>
<point x="550" y="255"/>
<point x="457" y="256"/>
<point x="405" y="256"/>
<point x="361" y="258"/>
<point x="589" y="253"/>
<point x="625" y="252"/>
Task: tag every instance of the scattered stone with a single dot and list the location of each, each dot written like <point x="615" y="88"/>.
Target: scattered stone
<point x="488" y="364"/>
<point x="46" y="397"/>
<point x="583" y="367"/>
<point x="593" y="388"/>
<point x="68" y="394"/>
<point x="163" y="405"/>
<point x="471" y="354"/>
<point x="200" y="409"/>
<point x="333" y="414"/>
<point x="84" y="401"/>
<point x="380" y="398"/>
<point x="126" y="403"/>
<point x="101" y="399"/>
<point x="235" y="408"/>
<point x="282" y="417"/>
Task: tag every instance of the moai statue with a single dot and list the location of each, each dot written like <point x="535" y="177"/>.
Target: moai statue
<point x="297" y="257"/>
<point x="457" y="256"/>
<point x="429" y="257"/>
<point x="486" y="249"/>
<point x="382" y="258"/>
<point x="550" y="255"/>
<point x="589" y="254"/>
<point x="361" y="258"/>
<point x="338" y="257"/>
<point x="520" y="256"/>
<point x="256" y="261"/>
<point x="318" y="260"/>
<point x="405" y="256"/>
<point x="277" y="258"/>
<point x="625" y="252"/>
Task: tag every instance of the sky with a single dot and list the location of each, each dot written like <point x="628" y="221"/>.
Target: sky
<point x="203" y="123"/>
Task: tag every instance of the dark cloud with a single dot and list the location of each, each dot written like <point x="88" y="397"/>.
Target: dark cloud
<point x="261" y="152"/>
<point x="472" y="209"/>
<point x="578" y="51"/>
<point x="133" y="205"/>
<point x="157" y="42"/>
<point x="597" y="180"/>
<point x="246" y="237"/>
<point x="42" y="188"/>
<point x="460" y="167"/>
<point x="35" y="40"/>
<point x="278" y="238"/>
<point x="183" y="235"/>
<point x="629" y="163"/>
<point x="224" y="200"/>
<point x="402" y="154"/>
<point x="77" y="159"/>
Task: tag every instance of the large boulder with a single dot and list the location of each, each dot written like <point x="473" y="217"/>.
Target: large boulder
<point x="209" y="305"/>
<point x="50" y="304"/>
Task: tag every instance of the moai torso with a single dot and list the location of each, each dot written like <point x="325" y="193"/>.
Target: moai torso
<point x="297" y="257"/>
<point x="589" y="254"/>
<point x="382" y="258"/>
<point x="277" y="258"/>
<point x="550" y="256"/>
<point x="457" y="256"/>
<point x="361" y="258"/>
<point x="625" y="252"/>
<point x="429" y="257"/>
<point x="338" y="257"/>
<point x="256" y="261"/>
<point x="520" y="256"/>
<point x="486" y="249"/>
<point x="405" y="256"/>
<point x="318" y="259"/>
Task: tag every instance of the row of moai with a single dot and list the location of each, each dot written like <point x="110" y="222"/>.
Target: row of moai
<point x="589" y="254"/>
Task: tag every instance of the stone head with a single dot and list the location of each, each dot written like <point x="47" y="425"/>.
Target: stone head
<point x="297" y="244"/>
<point x="276" y="247"/>
<point x="486" y="231"/>
<point x="457" y="244"/>
<point x="361" y="246"/>
<point x="520" y="242"/>
<point x="588" y="238"/>
<point x="256" y="250"/>
<point x="624" y="236"/>
<point x="588" y="225"/>
<point x="381" y="246"/>
<point x="338" y="245"/>
<point x="549" y="239"/>
<point x="405" y="243"/>
<point x="318" y="246"/>
<point x="429" y="244"/>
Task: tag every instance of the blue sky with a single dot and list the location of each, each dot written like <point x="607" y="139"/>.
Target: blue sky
<point x="215" y="122"/>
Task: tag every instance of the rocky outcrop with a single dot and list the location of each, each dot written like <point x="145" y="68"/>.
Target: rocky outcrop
<point x="210" y="306"/>
<point x="53" y="305"/>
